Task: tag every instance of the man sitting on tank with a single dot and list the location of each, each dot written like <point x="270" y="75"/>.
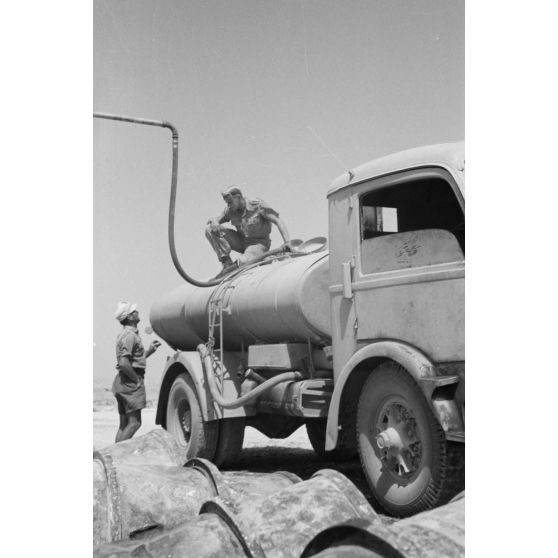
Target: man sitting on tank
<point x="252" y="219"/>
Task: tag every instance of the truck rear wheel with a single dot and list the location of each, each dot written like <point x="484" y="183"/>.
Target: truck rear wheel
<point x="196" y="437"/>
<point x="346" y="447"/>
<point x="231" y="438"/>
<point x="408" y="463"/>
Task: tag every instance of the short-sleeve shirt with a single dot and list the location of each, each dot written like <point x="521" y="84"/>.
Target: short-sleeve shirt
<point x="128" y="343"/>
<point x="252" y="222"/>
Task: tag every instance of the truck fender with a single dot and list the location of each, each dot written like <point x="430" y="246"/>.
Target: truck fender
<point x="418" y="366"/>
<point x="188" y="362"/>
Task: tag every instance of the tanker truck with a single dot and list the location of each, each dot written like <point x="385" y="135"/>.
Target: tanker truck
<point x="360" y="340"/>
<point x="363" y="342"/>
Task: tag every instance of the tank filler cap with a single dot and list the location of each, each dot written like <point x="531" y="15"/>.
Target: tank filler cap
<point x="312" y="245"/>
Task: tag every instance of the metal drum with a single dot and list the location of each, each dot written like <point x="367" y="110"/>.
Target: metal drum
<point x="278" y="525"/>
<point x="278" y="301"/>
<point x="157" y="447"/>
<point x="101" y="504"/>
<point x="440" y="531"/>
<point x="146" y="497"/>
<point x="437" y="532"/>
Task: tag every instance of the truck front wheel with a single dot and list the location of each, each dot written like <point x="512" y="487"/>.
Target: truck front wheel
<point x="196" y="437"/>
<point x="408" y="463"/>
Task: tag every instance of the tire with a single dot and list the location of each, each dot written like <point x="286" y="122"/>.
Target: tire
<point x="196" y="437"/>
<point x="231" y="438"/>
<point x="347" y="551"/>
<point x="417" y="469"/>
<point x="346" y="448"/>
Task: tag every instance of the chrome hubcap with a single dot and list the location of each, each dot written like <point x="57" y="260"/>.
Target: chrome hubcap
<point x="185" y="419"/>
<point x="398" y="441"/>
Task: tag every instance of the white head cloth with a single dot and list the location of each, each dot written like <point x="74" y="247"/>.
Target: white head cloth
<point x="124" y="309"/>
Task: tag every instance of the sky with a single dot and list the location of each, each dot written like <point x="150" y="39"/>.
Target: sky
<point x="277" y="97"/>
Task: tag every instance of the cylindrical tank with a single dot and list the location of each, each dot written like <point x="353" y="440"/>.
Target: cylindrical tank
<point x="279" y="525"/>
<point x="155" y="496"/>
<point x="278" y="301"/>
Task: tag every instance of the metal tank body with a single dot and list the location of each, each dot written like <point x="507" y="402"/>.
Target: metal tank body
<point x="280" y="301"/>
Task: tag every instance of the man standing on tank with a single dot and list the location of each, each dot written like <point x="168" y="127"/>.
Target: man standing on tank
<point x="252" y="220"/>
<point x="128" y="386"/>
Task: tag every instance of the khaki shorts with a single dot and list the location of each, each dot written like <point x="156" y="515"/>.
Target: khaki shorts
<point x="129" y="397"/>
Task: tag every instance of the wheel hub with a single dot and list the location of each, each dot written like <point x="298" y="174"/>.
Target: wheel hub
<point x="398" y="441"/>
<point x="185" y="419"/>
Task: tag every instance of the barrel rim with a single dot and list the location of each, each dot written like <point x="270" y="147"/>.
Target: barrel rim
<point x="218" y="507"/>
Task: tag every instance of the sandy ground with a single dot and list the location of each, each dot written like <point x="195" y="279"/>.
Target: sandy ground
<point x="259" y="454"/>
<point x="105" y="424"/>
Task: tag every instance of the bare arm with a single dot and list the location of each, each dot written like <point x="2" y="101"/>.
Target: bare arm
<point x="125" y="366"/>
<point x="214" y="225"/>
<point x="279" y="223"/>
<point x="215" y="222"/>
<point x="152" y="348"/>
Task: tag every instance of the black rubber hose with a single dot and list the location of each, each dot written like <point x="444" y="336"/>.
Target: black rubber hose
<point x="172" y="204"/>
<point x="256" y="392"/>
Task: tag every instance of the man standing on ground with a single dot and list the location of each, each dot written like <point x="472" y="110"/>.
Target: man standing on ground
<point x="128" y="386"/>
<point x="252" y="220"/>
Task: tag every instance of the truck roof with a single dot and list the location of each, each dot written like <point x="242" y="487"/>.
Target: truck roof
<point x="450" y="156"/>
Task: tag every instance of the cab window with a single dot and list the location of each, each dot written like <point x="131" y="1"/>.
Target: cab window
<point x="427" y="203"/>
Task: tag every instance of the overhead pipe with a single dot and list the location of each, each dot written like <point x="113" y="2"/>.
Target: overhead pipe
<point x="172" y="204"/>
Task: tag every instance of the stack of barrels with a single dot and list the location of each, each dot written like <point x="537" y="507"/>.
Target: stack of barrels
<point x="148" y="504"/>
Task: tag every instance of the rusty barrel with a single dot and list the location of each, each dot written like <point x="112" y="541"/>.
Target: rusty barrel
<point x="277" y="525"/>
<point x="101" y="504"/>
<point x="157" y="447"/>
<point x="440" y="530"/>
<point x="145" y="497"/>
<point x="437" y="532"/>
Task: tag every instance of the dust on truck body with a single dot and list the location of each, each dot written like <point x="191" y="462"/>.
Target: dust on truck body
<point x="363" y="342"/>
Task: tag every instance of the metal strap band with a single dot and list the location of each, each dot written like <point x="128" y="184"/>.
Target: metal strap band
<point x="114" y="493"/>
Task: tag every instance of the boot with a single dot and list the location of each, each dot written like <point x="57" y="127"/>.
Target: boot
<point x="226" y="261"/>
<point x="228" y="267"/>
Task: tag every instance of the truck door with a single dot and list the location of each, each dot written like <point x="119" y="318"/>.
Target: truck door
<point x="408" y="278"/>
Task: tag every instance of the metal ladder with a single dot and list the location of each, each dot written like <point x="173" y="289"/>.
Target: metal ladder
<point x="215" y="318"/>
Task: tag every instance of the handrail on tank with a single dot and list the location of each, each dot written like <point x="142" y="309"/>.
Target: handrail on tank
<point x="172" y="204"/>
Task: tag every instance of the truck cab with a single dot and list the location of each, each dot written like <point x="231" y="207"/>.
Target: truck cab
<point x="397" y="271"/>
